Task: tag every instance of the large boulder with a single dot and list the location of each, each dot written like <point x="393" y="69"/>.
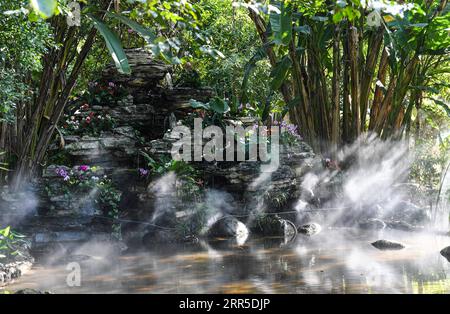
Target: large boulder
<point x="446" y="253"/>
<point x="13" y="266"/>
<point x="400" y="225"/>
<point x="387" y="245"/>
<point x="409" y="212"/>
<point x="228" y="227"/>
<point x="273" y="225"/>
<point x="146" y="71"/>
<point x="160" y="236"/>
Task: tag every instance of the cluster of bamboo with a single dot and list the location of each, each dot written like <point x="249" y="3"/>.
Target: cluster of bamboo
<point x="378" y="75"/>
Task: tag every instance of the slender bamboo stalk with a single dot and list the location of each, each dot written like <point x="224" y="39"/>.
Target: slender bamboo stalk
<point x="354" y="81"/>
<point x="335" y="111"/>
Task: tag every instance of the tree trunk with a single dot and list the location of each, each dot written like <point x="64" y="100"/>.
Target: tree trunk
<point x="335" y="130"/>
<point x="354" y="79"/>
<point x="367" y="74"/>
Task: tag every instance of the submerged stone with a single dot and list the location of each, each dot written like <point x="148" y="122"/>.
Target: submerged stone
<point x="309" y="229"/>
<point x="387" y="245"/>
<point x="30" y="291"/>
<point x="446" y="253"/>
<point x="372" y="224"/>
<point x="159" y="236"/>
<point x="400" y="225"/>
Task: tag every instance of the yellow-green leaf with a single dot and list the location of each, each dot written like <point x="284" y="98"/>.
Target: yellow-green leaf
<point x="45" y="8"/>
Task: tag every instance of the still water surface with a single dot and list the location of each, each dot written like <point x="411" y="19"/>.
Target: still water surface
<point x="334" y="261"/>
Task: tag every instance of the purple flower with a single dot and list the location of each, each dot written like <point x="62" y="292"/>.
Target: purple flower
<point x="143" y="172"/>
<point x="62" y="173"/>
<point x="83" y="168"/>
<point x="291" y="129"/>
<point x="111" y="84"/>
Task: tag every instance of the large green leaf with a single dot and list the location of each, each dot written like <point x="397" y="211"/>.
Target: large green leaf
<point x="219" y="105"/>
<point x="145" y="32"/>
<point x="303" y="30"/>
<point x="114" y="46"/>
<point x="442" y="104"/>
<point x="45" y="8"/>
<point x="279" y="72"/>
<point x="5" y="232"/>
<point x="198" y="105"/>
<point x="281" y="25"/>
<point x="428" y="89"/>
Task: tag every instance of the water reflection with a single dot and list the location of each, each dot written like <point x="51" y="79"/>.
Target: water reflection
<point x="334" y="261"/>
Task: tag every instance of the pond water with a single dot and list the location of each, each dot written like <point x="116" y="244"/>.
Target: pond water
<point x="334" y="261"/>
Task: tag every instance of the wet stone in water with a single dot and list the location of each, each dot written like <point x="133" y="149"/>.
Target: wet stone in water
<point x="310" y="229"/>
<point x="228" y="227"/>
<point x="387" y="245"/>
<point x="446" y="253"/>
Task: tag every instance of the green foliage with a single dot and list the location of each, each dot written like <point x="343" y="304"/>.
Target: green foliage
<point x="260" y="54"/>
<point x="109" y="200"/>
<point x="279" y="72"/>
<point x="91" y="182"/>
<point x="80" y="118"/>
<point x="145" y="32"/>
<point x="196" y="224"/>
<point x="216" y="105"/>
<point x="281" y="25"/>
<point x="174" y="44"/>
<point x="3" y="165"/>
<point x="10" y="243"/>
<point x="189" y="185"/>
<point x="21" y="44"/>
<point x="232" y="32"/>
<point x="432" y="147"/>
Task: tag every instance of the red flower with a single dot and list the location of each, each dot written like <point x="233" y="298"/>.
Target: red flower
<point x="88" y="120"/>
<point x="83" y="168"/>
